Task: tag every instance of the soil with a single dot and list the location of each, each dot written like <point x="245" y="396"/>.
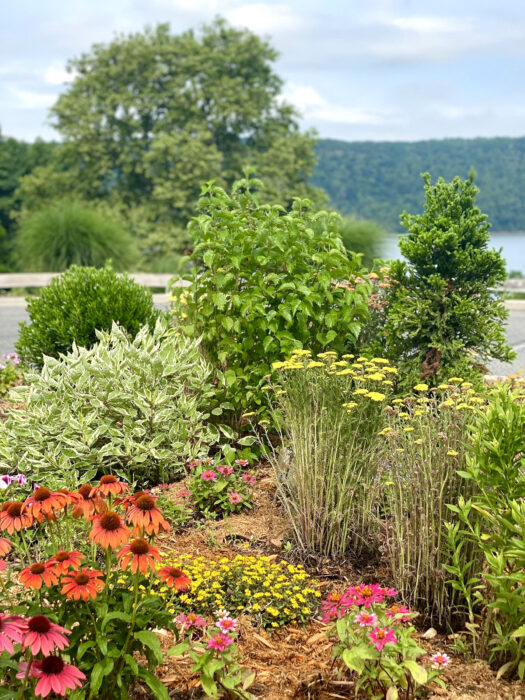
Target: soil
<point x="293" y="662"/>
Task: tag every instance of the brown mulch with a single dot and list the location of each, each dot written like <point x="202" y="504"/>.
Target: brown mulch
<point x="295" y="662"/>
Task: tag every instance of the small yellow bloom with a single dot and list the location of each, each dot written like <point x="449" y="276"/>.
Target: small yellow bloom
<point x="452" y="453"/>
<point x="375" y="396"/>
<point x="421" y="387"/>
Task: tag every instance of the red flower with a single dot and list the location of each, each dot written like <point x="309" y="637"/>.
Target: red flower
<point x="141" y="555"/>
<point x="43" y="636"/>
<point x="38" y="575"/>
<point x="145" y="516"/>
<point x="109" y="530"/>
<point x="14" y="517"/>
<point x="83" y="584"/>
<point x="63" y="561"/>
<point x="174" y="578"/>
<point x="109" y="484"/>
<point x="5" y="546"/>
<point x="86" y="504"/>
<point x="54" y="676"/>
<point x="44" y="503"/>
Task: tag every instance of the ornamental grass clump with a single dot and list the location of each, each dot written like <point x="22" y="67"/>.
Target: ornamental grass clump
<point x="330" y="412"/>
<point x="78" y="615"/>
<point x="134" y="405"/>
<point x="423" y="448"/>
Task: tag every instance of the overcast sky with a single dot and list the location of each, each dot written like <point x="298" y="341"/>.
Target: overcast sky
<point x="356" y="69"/>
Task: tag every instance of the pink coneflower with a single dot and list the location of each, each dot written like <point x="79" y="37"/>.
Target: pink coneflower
<point x="43" y="636"/>
<point x="365" y="619"/>
<point x="219" y="642"/>
<point x="3" y="565"/>
<point x="12" y="629"/>
<point x="190" y="620"/>
<point x="194" y="463"/>
<point x="331" y="607"/>
<point x="208" y="475"/>
<point x="248" y="478"/>
<point x="440" y="659"/>
<point x="227" y="624"/>
<point x="381" y="636"/>
<point x="54" y="676"/>
<point x="234" y="497"/>
<point x="184" y="493"/>
<point x="399" y="610"/>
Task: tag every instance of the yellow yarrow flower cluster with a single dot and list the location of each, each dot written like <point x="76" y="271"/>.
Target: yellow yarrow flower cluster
<point x="277" y="593"/>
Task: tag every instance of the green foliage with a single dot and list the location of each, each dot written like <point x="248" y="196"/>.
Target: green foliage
<point x="151" y="115"/>
<point x="136" y="406"/>
<point x="422" y="451"/>
<point x="77" y="304"/>
<point x="378" y="180"/>
<point x="362" y="236"/>
<point x="67" y="233"/>
<point x="268" y="284"/>
<point x="442" y="313"/>
<point x="10" y="372"/>
<point x="491" y="521"/>
<point x="330" y="413"/>
<point x="220" y="489"/>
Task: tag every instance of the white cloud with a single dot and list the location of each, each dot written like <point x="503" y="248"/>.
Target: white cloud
<point x="428" y="25"/>
<point x="56" y="74"/>
<point x="264" y="18"/>
<point x="313" y="106"/>
<point x="29" y="99"/>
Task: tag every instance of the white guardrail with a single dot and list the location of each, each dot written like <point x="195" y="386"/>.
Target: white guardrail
<point x="20" y="280"/>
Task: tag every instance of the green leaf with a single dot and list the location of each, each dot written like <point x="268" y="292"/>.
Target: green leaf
<point x="520" y="632"/>
<point x="417" y="672"/>
<point x="209" y="686"/>
<point x="130" y="661"/>
<point x="353" y="660"/>
<point x="160" y="692"/>
<point x="150" y="640"/>
<point x="100" y="670"/>
<point x="179" y="649"/>
<point x="392" y="693"/>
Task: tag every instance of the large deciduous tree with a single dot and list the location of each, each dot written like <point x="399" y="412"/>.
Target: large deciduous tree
<point x="150" y="116"/>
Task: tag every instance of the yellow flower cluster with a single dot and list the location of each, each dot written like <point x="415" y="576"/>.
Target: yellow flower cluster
<point x="277" y="593"/>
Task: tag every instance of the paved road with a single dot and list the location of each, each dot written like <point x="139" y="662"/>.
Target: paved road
<point x="12" y="311"/>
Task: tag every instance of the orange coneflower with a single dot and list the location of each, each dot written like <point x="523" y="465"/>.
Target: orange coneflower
<point x="44" y="503"/>
<point x="14" y="517"/>
<point x="62" y="561"/>
<point x="109" y="530"/>
<point x="87" y="505"/>
<point x="5" y="546"/>
<point x="174" y="578"/>
<point x="129" y="500"/>
<point x="37" y="575"/>
<point x="109" y="484"/>
<point x="146" y="517"/>
<point x="70" y="497"/>
<point x="83" y="584"/>
<point x="141" y="555"/>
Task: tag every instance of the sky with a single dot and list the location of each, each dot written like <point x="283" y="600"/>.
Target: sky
<point x="382" y="70"/>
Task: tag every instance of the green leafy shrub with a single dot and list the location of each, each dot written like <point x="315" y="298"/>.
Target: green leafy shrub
<point x="362" y="236"/>
<point x="220" y="489"/>
<point x="330" y="413"/>
<point x="66" y="233"/>
<point x="443" y="316"/>
<point x="491" y="522"/>
<point x="10" y="372"/>
<point x="77" y="304"/>
<point x="424" y="446"/>
<point x="269" y="283"/>
<point x="133" y="406"/>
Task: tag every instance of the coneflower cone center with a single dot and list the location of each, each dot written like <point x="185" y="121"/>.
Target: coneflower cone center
<point x="145" y="502"/>
<point x="42" y="494"/>
<point x="39" y="624"/>
<point x="139" y="547"/>
<point x="81" y="579"/>
<point x="61" y="556"/>
<point x="37" y="568"/>
<point x="52" y="664"/>
<point x="15" y="509"/>
<point x="85" y="490"/>
<point x="108" y="479"/>
<point x="110" y="521"/>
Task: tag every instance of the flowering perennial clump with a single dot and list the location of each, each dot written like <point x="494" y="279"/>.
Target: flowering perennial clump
<point x="220" y="489"/>
<point x="374" y="642"/>
<point x="275" y="593"/>
<point x="78" y="617"/>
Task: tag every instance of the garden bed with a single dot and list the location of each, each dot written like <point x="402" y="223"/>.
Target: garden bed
<point x="293" y="661"/>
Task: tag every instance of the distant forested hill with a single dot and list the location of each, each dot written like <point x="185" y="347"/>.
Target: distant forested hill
<point x="377" y="180"/>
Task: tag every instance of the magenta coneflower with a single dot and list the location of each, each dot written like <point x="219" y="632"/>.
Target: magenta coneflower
<point x="234" y="497"/>
<point x="440" y="659"/>
<point x="365" y="619"/>
<point x="54" y="676"/>
<point x="190" y="620"/>
<point x="43" y="636"/>
<point x="208" y="475"/>
<point x="399" y="613"/>
<point x="12" y="628"/>
<point x="227" y="624"/>
<point x="381" y="636"/>
<point x="219" y="642"/>
<point x="366" y="594"/>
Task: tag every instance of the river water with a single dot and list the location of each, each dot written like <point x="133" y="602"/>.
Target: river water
<point x="512" y="244"/>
